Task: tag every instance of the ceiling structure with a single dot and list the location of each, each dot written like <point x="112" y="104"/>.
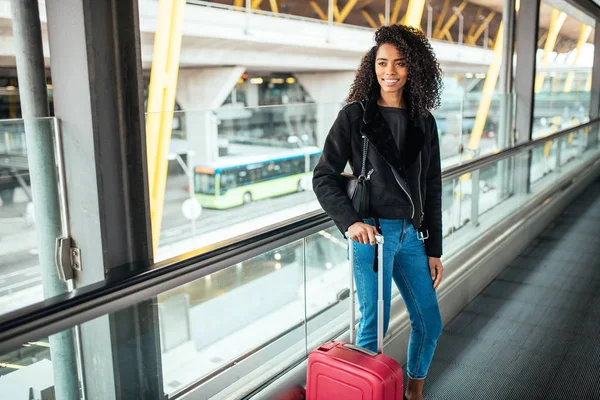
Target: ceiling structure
<point x="475" y="13"/>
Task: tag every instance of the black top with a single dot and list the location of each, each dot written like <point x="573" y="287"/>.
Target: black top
<point x="397" y="120"/>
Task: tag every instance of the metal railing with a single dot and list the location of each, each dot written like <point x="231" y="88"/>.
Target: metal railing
<point x="250" y="11"/>
<point x="292" y="17"/>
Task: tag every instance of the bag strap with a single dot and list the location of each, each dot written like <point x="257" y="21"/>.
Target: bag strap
<point x="375" y="216"/>
<point x="363" y="169"/>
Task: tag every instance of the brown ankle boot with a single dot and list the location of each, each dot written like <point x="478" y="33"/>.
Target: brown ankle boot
<point x="414" y="389"/>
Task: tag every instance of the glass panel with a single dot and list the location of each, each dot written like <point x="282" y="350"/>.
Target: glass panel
<point x="560" y="156"/>
<point x="327" y="281"/>
<point x="204" y="326"/>
<point x="565" y="58"/>
<point x="447" y="206"/>
<point x="543" y="159"/>
<point x="459" y="211"/>
<point x="24" y="264"/>
<point x="208" y="323"/>
<point x="29" y="373"/>
<point x="493" y="185"/>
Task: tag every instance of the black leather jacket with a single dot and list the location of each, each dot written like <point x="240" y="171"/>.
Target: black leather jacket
<point x="404" y="184"/>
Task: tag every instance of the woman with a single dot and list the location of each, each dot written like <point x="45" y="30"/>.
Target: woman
<point x="397" y="83"/>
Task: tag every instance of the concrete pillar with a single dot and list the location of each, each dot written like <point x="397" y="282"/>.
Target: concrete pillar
<point x="329" y="90"/>
<point x="252" y="95"/>
<point x="200" y="92"/>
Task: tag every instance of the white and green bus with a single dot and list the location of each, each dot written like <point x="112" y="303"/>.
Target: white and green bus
<point x="235" y="180"/>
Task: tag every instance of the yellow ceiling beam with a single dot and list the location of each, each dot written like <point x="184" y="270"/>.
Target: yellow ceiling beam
<point x="238" y="3"/>
<point x="347" y="10"/>
<point x="489" y="86"/>
<point x="448" y="36"/>
<point x="414" y="13"/>
<point x="473" y="26"/>
<point x="440" y="20"/>
<point x="481" y="28"/>
<point x="318" y="10"/>
<point x="336" y="11"/>
<point x="255" y="4"/>
<point x="396" y="11"/>
<point x="588" y="83"/>
<point x="542" y="39"/>
<point x="274" y="7"/>
<point x="381" y="19"/>
<point x="557" y="20"/>
<point x="453" y="18"/>
<point x="161" y="103"/>
<point x="363" y="4"/>
<point x="584" y="35"/>
<point x="369" y="19"/>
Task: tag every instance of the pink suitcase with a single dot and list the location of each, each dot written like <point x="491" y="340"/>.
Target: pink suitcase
<point x="340" y="370"/>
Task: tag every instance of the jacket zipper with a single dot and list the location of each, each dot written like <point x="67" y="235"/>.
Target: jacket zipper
<point x="407" y="195"/>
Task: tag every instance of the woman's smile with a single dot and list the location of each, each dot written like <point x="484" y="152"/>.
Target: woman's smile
<point x="390" y="82"/>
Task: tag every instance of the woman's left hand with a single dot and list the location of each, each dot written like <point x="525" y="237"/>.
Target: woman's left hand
<point x="436" y="269"/>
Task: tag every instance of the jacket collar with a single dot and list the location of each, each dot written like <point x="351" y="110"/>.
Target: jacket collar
<point x="378" y="132"/>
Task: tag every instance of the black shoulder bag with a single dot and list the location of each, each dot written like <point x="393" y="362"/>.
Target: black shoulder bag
<point x="357" y="189"/>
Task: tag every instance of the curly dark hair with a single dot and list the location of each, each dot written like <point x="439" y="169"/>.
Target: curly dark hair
<point x="424" y="84"/>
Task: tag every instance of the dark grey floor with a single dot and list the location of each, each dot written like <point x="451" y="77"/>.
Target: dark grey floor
<point x="534" y="332"/>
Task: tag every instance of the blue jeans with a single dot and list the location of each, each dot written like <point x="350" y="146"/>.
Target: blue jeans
<point x="405" y="261"/>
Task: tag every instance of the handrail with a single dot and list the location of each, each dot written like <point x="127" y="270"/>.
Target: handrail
<point x="62" y="312"/>
<point x="483" y="161"/>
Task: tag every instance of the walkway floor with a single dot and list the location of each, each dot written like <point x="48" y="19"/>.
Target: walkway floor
<point x="534" y="332"/>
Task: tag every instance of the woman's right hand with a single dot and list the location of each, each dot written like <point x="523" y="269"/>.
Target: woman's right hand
<point x="363" y="233"/>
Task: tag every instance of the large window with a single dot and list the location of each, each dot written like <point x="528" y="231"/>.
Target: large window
<point x="565" y="58"/>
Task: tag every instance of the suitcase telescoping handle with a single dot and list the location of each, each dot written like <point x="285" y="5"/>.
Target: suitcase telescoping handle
<point x="379" y="240"/>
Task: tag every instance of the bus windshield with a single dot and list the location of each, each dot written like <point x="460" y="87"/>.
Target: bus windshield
<point x="204" y="183"/>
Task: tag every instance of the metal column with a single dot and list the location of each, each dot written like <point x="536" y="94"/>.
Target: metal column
<point x="505" y="123"/>
<point x="526" y="36"/>
<point x="44" y="183"/>
<point x="98" y="96"/>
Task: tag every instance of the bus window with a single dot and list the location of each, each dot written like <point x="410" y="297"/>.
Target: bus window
<point x="229" y="179"/>
<point x="273" y="170"/>
<point x="298" y="165"/>
<point x="293" y="166"/>
<point x="204" y="183"/>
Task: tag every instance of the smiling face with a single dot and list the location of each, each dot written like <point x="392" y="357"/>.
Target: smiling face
<point x="390" y="68"/>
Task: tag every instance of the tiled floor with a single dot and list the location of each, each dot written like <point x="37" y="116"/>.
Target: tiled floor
<point x="534" y="332"/>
